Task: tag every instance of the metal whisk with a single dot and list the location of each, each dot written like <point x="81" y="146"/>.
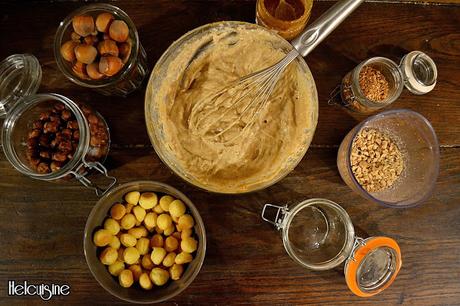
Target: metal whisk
<point x="239" y="104"/>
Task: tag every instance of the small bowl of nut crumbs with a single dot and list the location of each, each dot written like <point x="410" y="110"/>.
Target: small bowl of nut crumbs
<point x="391" y="158"/>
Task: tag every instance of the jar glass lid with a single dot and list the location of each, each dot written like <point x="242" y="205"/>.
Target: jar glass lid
<point x="20" y="76"/>
<point x="419" y="71"/>
<point x="373" y="265"/>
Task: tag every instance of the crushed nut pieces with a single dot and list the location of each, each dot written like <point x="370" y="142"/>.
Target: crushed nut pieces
<point x="376" y="160"/>
<point x="373" y="84"/>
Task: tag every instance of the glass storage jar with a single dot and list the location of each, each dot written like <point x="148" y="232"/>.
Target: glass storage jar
<point x="134" y="70"/>
<point x="287" y="18"/>
<point x="318" y="234"/>
<point x="416" y="71"/>
<point x="24" y="110"/>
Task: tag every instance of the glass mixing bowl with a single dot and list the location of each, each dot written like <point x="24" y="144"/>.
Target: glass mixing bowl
<point x="419" y="147"/>
<point x="135" y="294"/>
<point x="156" y="129"/>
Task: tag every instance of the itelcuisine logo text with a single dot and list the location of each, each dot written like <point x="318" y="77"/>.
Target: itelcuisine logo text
<point x="44" y="291"/>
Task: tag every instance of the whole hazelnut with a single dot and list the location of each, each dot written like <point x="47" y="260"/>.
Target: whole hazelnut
<point x="67" y="133"/>
<point x="59" y="106"/>
<point x="108" y="47"/>
<point x="80" y="70"/>
<point x="34" y="133"/>
<point x="32" y="143"/>
<point x="125" y="51"/>
<point x="55" y="166"/>
<point x="46" y="154"/>
<point x="51" y="127"/>
<point x="43" y="168"/>
<point x="66" y="114"/>
<point x="91" y="40"/>
<point x="44" y="116"/>
<point x="92" y="119"/>
<point x="44" y="141"/>
<point x="59" y="156"/>
<point x="110" y="65"/>
<point x="76" y="135"/>
<point x="103" y="21"/>
<point x="93" y="71"/>
<point x="37" y="124"/>
<point x="73" y="125"/>
<point x="65" y="146"/>
<point x="85" y="53"/>
<point x="54" y="118"/>
<point x="119" y="30"/>
<point x="67" y="50"/>
<point x="83" y="25"/>
<point x="75" y="37"/>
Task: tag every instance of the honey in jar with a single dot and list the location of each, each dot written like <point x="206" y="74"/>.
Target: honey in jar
<point x="287" y="17"/>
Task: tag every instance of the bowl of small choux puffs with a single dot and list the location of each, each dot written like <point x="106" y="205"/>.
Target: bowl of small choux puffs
<point x="144" y="242"/>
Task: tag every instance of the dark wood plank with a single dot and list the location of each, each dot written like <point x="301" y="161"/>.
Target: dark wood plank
<point x="368" y="32"/>
<point x="245" y="260"/>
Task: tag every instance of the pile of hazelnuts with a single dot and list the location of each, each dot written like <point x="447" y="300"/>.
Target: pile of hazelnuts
<point x="54" y="137"/>
<point x="97" y="48"/>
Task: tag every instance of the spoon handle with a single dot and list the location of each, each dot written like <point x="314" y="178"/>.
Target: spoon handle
<point x="324" y="25"/>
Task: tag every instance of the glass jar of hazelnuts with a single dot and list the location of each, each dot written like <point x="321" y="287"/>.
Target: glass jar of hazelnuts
<point x="50" y="137"/>
<point x="98" y="47"/>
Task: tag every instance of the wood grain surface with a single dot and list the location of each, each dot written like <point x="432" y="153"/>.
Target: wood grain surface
<point x="41" y="224"/>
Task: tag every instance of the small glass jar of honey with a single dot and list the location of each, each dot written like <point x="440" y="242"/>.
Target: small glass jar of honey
<point x="287" y="17"/>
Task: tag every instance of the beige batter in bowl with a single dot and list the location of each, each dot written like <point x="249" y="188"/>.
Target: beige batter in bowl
<point x="205" y="60"/>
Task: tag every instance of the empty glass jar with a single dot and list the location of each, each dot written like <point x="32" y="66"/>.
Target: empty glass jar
<point x="318" y="234"/>
<point x="367" y="91"/>
<point x="44" y="155"/>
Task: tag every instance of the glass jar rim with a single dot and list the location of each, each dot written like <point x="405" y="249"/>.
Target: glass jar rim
<point x="8" y="68"/>
<point x="63" y="65"/>
<point x="398" y="78"/>
<point x="19" y="109"/>
<point x="346" y="249"/>
<point x="363" y="125"/>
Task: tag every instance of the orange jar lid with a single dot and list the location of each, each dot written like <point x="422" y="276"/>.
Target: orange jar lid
<point x="373" y="266"/>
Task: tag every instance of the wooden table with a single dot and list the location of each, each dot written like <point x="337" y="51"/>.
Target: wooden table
<point x="41" y="224"/>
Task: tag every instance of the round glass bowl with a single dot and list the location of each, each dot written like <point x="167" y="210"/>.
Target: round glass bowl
<point x="417" y="141"/>
<point x="134" y="70"/>
<point x="101" y="274"/>
<point x="319" y="235"/>
<point x="156" y="129"/>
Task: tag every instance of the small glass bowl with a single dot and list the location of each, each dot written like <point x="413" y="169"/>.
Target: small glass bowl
<point x="419" y="146"/>
<point x="129" y="78"/>
<point x="100" y="272"/>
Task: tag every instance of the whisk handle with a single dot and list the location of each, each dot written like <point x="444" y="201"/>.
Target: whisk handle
<point x="324" y="25"/>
